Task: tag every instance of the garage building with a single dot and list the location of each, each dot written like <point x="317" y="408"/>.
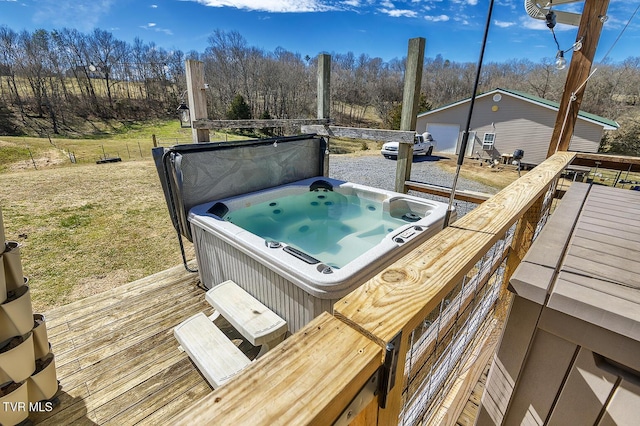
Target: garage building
<point x="506" y="120"/>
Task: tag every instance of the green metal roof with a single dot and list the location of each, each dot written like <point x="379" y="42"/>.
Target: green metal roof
<point x="556" y="105"/>
<point x="531" y="98"/>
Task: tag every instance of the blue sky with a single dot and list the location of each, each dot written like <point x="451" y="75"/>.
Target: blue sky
<point x="452" y="28"/>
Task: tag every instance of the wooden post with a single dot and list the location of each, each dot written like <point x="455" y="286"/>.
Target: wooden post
<point x="197" y="98"/>
<point x="520" y="245"/>
<point x="410" y="100"/>
<point x="581" y="61"/>
<point x="324" y="85"/>
<point x="324" y="97"/>
<point x="155" y="142"/>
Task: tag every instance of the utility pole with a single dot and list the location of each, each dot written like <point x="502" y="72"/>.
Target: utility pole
<point x="593" y="16"/>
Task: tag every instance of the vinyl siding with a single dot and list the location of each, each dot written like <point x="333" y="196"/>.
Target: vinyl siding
<point x="518" y="124"/>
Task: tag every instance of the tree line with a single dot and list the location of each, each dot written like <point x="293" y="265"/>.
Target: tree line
<point x="56" y="78"/>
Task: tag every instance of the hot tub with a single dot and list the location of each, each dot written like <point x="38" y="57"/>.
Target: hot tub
<point x="300" y="247"/>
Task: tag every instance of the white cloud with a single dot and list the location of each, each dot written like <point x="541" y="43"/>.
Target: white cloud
<point x="503" y="24"/>
<point x="154" y="6"/>
<point x="276" y="6"/>
<point x="397" y="13"/>
<point x="439" y="18"/>
<point x="84" y="14"/>
<point x="154" y="27"/>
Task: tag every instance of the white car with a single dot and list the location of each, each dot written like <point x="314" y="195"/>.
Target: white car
<point x="422" y="144"/>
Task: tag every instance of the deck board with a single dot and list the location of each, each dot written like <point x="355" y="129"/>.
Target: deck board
<point x="117" y="360"/>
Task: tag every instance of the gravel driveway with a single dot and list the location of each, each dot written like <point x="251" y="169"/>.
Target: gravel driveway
<point x="379" y="172"/>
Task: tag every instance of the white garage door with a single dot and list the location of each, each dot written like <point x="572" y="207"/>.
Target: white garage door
<point x="445" y="135"/>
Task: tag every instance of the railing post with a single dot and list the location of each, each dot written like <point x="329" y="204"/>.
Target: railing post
<point x="520" y="245"/>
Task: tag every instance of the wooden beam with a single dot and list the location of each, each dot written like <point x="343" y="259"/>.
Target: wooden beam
<point x="360" y="133"/>
<point x="410" y="101"/>
<point x="324" y="99"/>
<point x="308" y="379"/>
<point x="462" y="195"/>
<point x="606" y="161"/>
<point x="581" y="62"/>
<point x="412" y="83"/>
<point x="255" y="124"/>
<point x="324" y="85"/>
<point x="403" y="166"/>
<point x="197" y="98"/>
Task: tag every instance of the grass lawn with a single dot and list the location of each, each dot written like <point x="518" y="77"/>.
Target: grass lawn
<point x="88" y="227"/>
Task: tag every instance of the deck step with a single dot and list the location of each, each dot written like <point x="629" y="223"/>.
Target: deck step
<point x="257" y="323"/>
<point x="217" y="357"/>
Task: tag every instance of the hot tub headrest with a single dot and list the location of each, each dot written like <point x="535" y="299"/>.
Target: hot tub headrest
<point x="193" y="174"/>
<point x="219" y="209"/>
<point x="320" y="184"/>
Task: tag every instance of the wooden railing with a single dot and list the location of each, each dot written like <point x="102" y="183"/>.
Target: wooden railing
<point x="327" y="370"/>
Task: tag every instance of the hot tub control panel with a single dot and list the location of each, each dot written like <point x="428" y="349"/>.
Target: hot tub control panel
<point x="407" y="234"/>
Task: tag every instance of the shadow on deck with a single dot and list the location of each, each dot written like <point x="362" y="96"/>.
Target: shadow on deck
<point x="117" y="360"/>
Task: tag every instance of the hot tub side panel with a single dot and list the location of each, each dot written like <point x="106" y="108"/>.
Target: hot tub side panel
<point x="219" y="261"/>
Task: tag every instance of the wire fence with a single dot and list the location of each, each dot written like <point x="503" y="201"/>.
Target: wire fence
<point x="441" y="346"/>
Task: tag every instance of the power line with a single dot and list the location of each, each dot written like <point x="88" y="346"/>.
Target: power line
<point x="621" y="32"/>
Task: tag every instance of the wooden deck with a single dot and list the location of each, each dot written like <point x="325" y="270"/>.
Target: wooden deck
<point x="116" y="357"/>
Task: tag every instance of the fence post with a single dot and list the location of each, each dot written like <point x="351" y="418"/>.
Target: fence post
<point x="410" y="100"/>
<point x="155" y="142"/>
<point x="32" y="160"/>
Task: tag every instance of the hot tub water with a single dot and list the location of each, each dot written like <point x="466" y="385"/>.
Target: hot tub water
<point x="332" y="227"/>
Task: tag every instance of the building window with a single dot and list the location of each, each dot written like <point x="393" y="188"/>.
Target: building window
<point x="488" y="140"/>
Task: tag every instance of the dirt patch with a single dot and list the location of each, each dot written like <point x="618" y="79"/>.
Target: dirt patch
<point x="99" y="283"/>
<point x="497" y="176"/>
<point x="50" y="158"/>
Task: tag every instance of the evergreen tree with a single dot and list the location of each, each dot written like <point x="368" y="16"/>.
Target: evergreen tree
<point x="239" y="109"/>
<point x="394" y="117"/>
